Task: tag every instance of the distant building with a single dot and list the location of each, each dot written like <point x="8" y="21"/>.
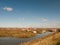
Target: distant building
<point x="34" y="31"/>
<point x="54" y="30"/>
<point x="43" y="31"/>
<point x="23" y="29"/>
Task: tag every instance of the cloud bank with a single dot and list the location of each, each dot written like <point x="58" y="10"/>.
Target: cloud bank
<point x="8" y="9"/>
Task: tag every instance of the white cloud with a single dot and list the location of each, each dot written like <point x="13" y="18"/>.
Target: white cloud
<point x="50" y="24"/>
<point x="21" y="19"/>
<point x="8" y="9"/>
<point x="56" y="24"/>
<point x="44" y="19"/>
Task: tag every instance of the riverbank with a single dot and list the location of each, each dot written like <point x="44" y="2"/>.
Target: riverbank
<point x="16" y="33"/>
<point x="17" y="41"/>
<point x="52" y="39"/>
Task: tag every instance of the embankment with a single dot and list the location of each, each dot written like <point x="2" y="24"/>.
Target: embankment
<point x="16" y="33"/>
<point x="51" y="39"/>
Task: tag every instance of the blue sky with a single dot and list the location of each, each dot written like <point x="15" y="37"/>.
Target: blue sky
<point x="30" y="13"/>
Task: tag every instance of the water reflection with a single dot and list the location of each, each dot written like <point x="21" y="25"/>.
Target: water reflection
<point x="16" y="41"/>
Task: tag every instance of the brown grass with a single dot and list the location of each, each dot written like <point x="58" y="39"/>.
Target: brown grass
<point x="52" y="39"/>
<point x="15" y="33"/>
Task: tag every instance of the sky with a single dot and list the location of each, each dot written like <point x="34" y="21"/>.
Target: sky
<point x="30" y="13"/>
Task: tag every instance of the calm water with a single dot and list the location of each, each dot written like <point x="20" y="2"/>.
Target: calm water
<point x="16" y="41"/>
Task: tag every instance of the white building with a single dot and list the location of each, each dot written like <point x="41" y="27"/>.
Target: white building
<point x="34" y="31"/>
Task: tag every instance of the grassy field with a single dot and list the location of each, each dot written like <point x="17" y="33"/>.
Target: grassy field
<point x="19" y="33"/>
<point x="16" y="33"/>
